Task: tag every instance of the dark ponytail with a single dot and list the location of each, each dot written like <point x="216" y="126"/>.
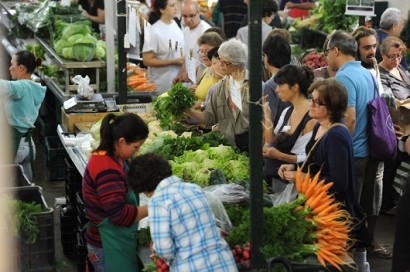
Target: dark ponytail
<point x="28" y="60"/>
<point x="113" y="127"/>
<point x="155" y="14"/>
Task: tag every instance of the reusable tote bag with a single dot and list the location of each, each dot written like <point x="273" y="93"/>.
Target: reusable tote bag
<point x="382" y="138"/>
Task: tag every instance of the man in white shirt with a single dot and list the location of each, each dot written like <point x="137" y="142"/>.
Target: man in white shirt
<point x="194" y="28"/>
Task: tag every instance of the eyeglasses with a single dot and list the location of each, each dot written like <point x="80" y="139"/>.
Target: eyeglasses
<point x="315" y="102"/>
<point x="190" y="16"/>
<point x="394" y="57"/>
<point x="326" y="52"/>
<point x="225" y="62"/>
<point x="200" y="52"/>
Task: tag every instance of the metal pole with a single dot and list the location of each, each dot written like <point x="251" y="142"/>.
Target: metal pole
<point x="255" y="133"/>
<point x="122" y="55"/>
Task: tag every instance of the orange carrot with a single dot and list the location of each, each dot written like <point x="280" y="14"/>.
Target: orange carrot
<point x="298" y="181"/>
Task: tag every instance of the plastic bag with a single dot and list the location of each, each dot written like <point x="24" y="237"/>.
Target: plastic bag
<point x="84" y="89"/>
<point x="229" y="193"/>
<point x="286" y="196"/>
<point x="220" y="215"/>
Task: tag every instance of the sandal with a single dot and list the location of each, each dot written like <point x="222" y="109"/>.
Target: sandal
<point x="381" y="252"/>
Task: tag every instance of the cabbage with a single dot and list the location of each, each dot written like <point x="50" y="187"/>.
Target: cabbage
<point x="99" y="52"/>
<point x="68" y="53"/>
<point x="102" y="44"/>
<point x="86" y="39"/>
<point x="73" y="39"/>
<point x="59" y="45"/>
<point x="83" y="51"/>
<point x="72" y="29"/>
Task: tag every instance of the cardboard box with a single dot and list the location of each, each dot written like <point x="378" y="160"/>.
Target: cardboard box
<point x="68" y="120"/>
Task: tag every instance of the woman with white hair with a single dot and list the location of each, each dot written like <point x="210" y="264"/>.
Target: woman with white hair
<point x="228" y="109"/>
<point x="391" y="24"/>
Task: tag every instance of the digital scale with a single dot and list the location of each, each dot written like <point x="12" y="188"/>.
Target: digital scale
<point x="96" y="104"/>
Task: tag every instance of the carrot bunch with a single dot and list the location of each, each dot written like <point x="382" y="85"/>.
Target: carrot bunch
<point x="137" y="79"/>
<point x="332" y="223"/>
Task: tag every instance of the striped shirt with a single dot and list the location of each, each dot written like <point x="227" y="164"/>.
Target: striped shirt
<point x="104" y="193"/>
<point x="183" y="229"/>
<point x="400" y="89"/>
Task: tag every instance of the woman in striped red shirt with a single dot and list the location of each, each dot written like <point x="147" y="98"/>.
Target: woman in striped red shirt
<point x="111" y="206"/>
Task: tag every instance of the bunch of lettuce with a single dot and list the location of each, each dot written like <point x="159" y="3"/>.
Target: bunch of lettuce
<point x="170" y="106"/>
<point x="197" y="166"/>
<point x="170" y="145"/>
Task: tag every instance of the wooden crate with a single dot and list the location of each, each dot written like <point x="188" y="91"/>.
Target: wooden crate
<point x="68" y="120"/>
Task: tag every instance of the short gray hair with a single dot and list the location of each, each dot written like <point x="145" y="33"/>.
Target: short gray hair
<point x="390" y="17"/>
<point x="234" y="51"/>
<point x="345" y="42"/>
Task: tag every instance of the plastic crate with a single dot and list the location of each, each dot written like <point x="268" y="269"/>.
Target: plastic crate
<point x="16" y="172"/>
<point x="144" y="110"/>
<point x="81" y="216"/>
<point x="55" y="158"/>
<point x="39" y="256"/>
<point x="68" y="230"/>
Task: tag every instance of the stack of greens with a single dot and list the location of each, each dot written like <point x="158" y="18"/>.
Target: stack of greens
<point x="76" y="41"/>
<point x="170" y="106"/>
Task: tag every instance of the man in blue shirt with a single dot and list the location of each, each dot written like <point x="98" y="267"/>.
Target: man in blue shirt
<point x="341" y="55"/>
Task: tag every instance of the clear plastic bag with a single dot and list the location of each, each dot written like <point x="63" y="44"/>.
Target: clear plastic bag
<point x="220" y="215"/>
<point x="286" y="196"/>
<point x="229" y="193"/>
<point x="84" y="89"/>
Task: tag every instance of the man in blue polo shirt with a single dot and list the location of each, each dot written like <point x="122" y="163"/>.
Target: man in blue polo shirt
<point x="341" y="55"/>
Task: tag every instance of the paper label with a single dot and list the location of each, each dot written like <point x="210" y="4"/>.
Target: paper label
<point x="132" y="27"/>
<point x="235" y="90"/>
<point x="191" y="68"/>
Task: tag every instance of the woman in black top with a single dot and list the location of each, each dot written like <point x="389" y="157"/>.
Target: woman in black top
<point x="93" y="10"/>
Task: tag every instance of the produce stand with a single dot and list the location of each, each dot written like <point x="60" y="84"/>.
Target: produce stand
<point x="69" y="64"/>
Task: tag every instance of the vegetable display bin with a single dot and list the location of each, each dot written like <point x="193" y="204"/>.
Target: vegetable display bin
<point x="18" y="176"/>
<point x="39" y="256"/>
<point x="55" y="158"/>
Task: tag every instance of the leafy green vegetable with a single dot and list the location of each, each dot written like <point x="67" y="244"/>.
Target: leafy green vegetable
<point x="36" y="49"/>
<point x="330" y="14"/>
<point x="286" y="230"/>
<point x="196" y="166"/>
<point x="144" y="236"/>
<point x="83" y="51"/>
<point x="24" y="220"/>
<point x="170" y="106"/>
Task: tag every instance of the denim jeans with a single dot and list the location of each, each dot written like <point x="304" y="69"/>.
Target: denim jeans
<point x="23" y="157"/>
<point x="96" y="257"/>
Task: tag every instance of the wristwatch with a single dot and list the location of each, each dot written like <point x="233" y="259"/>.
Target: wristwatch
<point x="203" y="106"/>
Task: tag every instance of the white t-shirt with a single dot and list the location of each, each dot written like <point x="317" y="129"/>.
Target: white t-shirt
<point x="243" y="33"/>
<point x="191" y="37"/>
<point x="166" y="41"/>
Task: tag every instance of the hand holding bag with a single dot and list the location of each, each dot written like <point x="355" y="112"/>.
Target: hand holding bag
<point x="381" y="137"/>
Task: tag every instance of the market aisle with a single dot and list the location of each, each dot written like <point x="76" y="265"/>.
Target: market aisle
<point x="51" y="191"/>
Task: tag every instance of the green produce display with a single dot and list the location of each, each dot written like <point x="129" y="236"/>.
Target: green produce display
<point x="197" y="166"/>
<point x="23" y="218"/>
<point x="171" y="146"/>
<point x="171" y="105"/>
<point x="330" y="16"/>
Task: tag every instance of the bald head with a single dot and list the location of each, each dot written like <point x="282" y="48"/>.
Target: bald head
<point x="190" y="13"/>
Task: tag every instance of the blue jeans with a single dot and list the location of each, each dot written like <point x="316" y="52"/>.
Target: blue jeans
<point x="96" y="257"/>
